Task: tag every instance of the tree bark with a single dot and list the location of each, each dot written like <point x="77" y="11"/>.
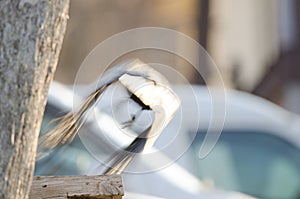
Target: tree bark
<point x="31" y="34"/>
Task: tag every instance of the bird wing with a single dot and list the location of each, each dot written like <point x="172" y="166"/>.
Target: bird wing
<point x="154" y="91"/>
<point x="141" y="80"/>
<point x="68" y="125"/>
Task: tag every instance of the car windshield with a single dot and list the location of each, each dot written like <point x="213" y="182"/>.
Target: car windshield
<point x="72" y="159"/>
<point x="256" y="163"/>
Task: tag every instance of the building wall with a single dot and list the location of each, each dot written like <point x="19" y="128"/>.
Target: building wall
<point x="243" y="39"/>
<point x="93" y="21"/>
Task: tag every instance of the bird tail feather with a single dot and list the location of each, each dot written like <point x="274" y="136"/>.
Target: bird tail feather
<point x="121" y="160"/>
<point x="67" y="128"/>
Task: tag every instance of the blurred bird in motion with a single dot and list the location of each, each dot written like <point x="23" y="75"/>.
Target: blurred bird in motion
<point x="149" y="91"/>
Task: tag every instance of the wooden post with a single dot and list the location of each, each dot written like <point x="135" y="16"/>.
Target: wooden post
<point x="79" y="187"/>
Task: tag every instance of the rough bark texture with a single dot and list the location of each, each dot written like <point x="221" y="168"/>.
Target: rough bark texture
<point x="31" y="34"/>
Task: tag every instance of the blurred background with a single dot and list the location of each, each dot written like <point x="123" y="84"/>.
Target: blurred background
<point x="256" y="46"/>
<point x="254" y="43"/>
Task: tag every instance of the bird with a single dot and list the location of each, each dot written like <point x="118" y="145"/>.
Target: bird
<point x="149" y="92"/>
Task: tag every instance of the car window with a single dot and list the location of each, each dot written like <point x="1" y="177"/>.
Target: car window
<point x="258" y="164"/>
<point x="72" y="159"/>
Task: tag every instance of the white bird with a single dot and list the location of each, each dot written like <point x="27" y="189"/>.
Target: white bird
<point x="149" y="91"/>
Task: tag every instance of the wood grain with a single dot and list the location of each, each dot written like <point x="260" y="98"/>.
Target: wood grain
<point x="71" y="187"/>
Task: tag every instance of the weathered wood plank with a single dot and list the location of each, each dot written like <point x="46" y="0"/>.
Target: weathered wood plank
<point x="84" y="187"/>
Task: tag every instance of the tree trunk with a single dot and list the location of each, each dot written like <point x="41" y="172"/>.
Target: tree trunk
<point x="31" y="34"/>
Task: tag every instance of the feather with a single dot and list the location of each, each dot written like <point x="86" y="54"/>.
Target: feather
<point x="67" y="128"/>
<point x="148" y="89"/>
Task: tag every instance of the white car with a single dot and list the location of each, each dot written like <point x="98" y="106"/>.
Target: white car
<point x="257" y="152"/>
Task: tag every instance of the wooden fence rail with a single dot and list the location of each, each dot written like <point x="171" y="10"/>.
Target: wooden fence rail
<point x="79" y="187"/>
